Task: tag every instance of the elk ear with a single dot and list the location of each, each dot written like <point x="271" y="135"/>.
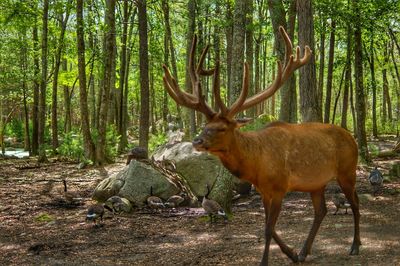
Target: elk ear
<point x="243" y="121"/>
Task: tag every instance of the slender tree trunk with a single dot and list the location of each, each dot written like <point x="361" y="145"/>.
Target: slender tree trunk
<point x="239" y="33"/>
<point x="249" y="49"/>
<point x="24" y="70"/>
<point x="88" y="144"/>
<point x="347" y="79"/>
<point x="229" y="46"/>
<point x="67" y="101"/>
<point x="109" y="59"/>
<point x="360" y="96"/>
<point x="188" y="85"/>
<point x="36" y="88"/>
<point x="43" y="84"/>
<point x="386" y="94"/>
<point x="321" y="62"/>
<point x="371" y="61"/>
<point x="144" y="75"/>
<point x="54" y="116"/>
<point x="329" y="79"/>
<point x="310" y="106"/>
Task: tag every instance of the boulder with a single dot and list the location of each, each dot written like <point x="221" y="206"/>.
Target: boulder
<point x="198" y="168"/>
<point x="133" y="183"/>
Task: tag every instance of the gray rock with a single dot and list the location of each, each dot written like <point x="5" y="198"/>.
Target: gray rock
<point x="133" y="183"/>
<point x="198" y="168"/>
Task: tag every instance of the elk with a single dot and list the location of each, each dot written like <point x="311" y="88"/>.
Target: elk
<point x="281" y="157"/>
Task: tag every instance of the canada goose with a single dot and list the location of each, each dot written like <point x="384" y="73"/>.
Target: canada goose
<point x="71" y="196"/>
<point x="95" y="212"/>
<point x="340" y="202"/>
<point x="114" y="204"/>
<point x="212" y="207"/>
<point x="376" y="179"/>
<point x="154" y="202"/>
<point x="175" y="200"/>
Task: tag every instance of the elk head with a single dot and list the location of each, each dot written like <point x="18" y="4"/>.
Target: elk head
<point x="221" y="124"/>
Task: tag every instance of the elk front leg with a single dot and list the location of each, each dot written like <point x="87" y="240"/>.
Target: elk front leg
<point x="272" y="209"/>
<point x="318" y="200"/>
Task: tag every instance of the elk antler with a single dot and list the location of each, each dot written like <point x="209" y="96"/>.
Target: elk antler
<point x="291" y="64"/>
<point x="284" y="72"/>
<point x="196" y="100"/>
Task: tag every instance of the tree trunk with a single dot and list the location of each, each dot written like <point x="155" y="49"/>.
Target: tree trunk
<point x="239" y="33"/>
<point x="249" y="49"/>
<point x="329" y="79"/>
<point x="54" y="117"/>
<point x="67" y="101"/>
<point x="229" y="46"/>
<point x="88" y="144"/>
<point x="144" y="75"/>
<point x="109" y="58"/>
<point x="188" y="85"/>
<point x="321" y="61"/>
<point x="347" y="80"/>
<point x="386" y="95"/>
<point x="371" y="61"/>
<point x="24" y="70"/>
<point x="360" y="96"/>
<point x="36" y="88"/>
<point x="43" y="84"/>
<point x="310" y="106"/>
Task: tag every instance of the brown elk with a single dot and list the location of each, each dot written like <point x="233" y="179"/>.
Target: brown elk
<point x="279" y="158"/>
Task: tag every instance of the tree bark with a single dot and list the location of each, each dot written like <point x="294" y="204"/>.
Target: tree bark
<point x="43" y="84"/>
<point x="347" y="80"/>
<point x="359" y="90"/>
<point x="144" y="75"/>
<point x="36" y="88"/>
<point x="310" y="106"/>
<point x="54" y="116"/>
<point x="371" y="61"/>
<point x="329" y="79"/>
<point x="88" y="143"/>
<point x="109" y="59"/>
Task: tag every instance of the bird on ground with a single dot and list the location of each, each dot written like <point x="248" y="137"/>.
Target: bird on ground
<point x="340" y="202"/>
<point x="175" y="200"/>
<point x="114" y="204"/>
<point x="95" y="212"/>
<point x="71" y="197"/>
<point x="212" y="208"/>
<point x="154" y="202"/>
<point x="375" y="179"/>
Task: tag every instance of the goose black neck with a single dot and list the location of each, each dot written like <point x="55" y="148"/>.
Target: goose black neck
<point x="65" y="185"/>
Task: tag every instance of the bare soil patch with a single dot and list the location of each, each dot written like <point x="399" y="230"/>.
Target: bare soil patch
<point x="38" y="228"/>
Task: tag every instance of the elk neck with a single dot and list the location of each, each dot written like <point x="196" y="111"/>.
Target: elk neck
<point x="244" y="152"/>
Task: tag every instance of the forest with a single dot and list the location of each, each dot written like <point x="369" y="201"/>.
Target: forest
<point x="85" y="82"/>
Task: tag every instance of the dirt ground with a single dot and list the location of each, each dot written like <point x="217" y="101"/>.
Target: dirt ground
<point x="38" y="228"/>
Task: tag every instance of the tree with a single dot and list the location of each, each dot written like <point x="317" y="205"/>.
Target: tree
<point x="144" y="75"/>
<point x="43" y="84"/>
<point x="360" y="97"/>
<point x="88" y="143"/>
<point x="310" y="106"/>
<point x="329" y="79"/>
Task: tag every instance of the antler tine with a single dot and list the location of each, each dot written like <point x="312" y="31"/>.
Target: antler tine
<point x="217" y="91"/>
<point x="236" y="106"/>
<point x="200" y="70"/>
<point x="172" y="86"/>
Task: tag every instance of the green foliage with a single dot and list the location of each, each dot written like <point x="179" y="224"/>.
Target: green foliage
<point x="43" y="217"/>
<point x="157" y="140"/>
<point x="15" y="129"/>
<point x="373" y="149"/>
<point x="72" y="146"/>
<point x="259" y="122"/>
<point x="112" y="140"/>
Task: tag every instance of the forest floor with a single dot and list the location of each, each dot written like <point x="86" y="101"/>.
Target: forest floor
<point x="36" y="228"/>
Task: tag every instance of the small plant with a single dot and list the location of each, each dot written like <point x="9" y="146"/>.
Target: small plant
<point x="72" y="146"/>
<point x="112" y="140"/>
<point x="157" y="140"/>
<point x="43" y="217"/>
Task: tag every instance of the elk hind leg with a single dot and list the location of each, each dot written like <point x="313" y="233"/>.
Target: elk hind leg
<point x="318" y="200"/>
<point x="348" y="188"/>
